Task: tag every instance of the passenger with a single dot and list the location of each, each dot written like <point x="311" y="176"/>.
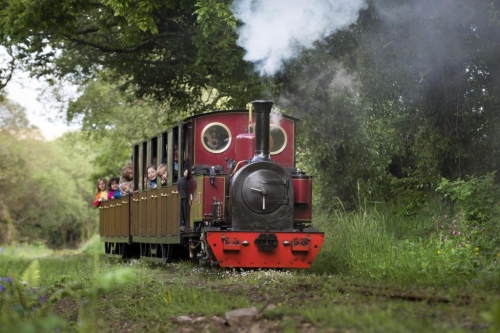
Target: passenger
<point x="128" y="176"/>
<point x="127" y="173"/>
<point x="124" y="190"/>
<point x="162" y="172"/>
<point x="182" y="187"/>
<point x="185" y="194"/>
<point x="113" y="187"/>
<point x="101" y="194"/>
<point x="152" y="175"/>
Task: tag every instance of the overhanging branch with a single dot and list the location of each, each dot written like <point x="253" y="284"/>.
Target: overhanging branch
<point x="135" y="48"/>
<point x="10" y="70"/>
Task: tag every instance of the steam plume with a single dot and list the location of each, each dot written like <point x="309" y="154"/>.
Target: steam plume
<point x="275" y="31"/>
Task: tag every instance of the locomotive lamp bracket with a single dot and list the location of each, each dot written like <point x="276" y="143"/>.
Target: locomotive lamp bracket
<point x="212" y="175"/>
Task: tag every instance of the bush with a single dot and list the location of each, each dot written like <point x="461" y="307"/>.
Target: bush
<point x="475" y="196"/>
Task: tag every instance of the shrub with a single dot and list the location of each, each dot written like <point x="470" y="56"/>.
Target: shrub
<point x="475" y="196"/>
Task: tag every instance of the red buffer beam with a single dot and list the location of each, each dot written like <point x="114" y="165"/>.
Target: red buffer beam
<point x="250" y="249"/>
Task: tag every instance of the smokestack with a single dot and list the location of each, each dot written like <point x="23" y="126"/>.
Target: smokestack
<point x="262" y="111"/>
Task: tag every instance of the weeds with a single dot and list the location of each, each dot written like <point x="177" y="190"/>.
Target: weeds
<point x="453" y="255"/>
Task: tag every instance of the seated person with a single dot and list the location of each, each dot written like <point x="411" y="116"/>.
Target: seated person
<point x="101" y="193"/>
<point x="152" y="176"/>
<point x="162" y="172"/>
<point x="113" y="186"/>
<point x="124" y="190"/>
<point x="128" y="176"/>
<point x="127" y="173"/>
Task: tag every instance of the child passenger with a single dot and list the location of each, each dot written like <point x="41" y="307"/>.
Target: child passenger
<point x="123" y="191"/>
<point x="163" y="174"/>
<point x="101" y="194"/>
<point x="113" y="187"/>
<point x="152" y="176"/>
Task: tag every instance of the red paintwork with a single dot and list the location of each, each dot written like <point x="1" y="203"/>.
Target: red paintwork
<point x="302" y="186"/>
<point x="235" y="254"/>
<point x="302" y="189"/>
<point x="211" y="191"/>
<point x="237" y="122"/>
<point x="302" y="212"/>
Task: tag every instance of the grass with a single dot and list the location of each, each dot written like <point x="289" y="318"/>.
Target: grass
<point x="359" y="244"/>
<point x="108" y="295"/>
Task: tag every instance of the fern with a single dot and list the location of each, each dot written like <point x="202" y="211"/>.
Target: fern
<point x="29" y="279"/>
<point x="31" y="275"/>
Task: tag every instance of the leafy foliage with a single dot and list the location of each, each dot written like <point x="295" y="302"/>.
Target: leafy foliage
<point x="406" y="96"/>
<point x="24" y="306"/>
<point x="182" y="52"/>
<point x="476" y="196"/>
<point x="27" y="308"/>
<point x="112" y="121"/>
<point x="31" y="275"/>
<point x="45" y="193"/>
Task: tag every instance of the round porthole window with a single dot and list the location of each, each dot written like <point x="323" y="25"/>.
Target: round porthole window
<point x="278" y="139"/>
<point x="216" y="137"/>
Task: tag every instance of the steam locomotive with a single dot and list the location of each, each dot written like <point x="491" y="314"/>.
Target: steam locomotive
<point x="249" y="206"/>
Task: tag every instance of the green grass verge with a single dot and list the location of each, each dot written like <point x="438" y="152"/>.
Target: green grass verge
<point x="359" y="244"/>
<point x="90" y="293"/>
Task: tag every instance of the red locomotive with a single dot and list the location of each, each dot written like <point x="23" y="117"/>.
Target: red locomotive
<point x="249" y="205"/>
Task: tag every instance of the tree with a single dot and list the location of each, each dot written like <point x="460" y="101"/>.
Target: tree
<point x="113" y="120"/>
<point x="342" y="143"/>
<point x="411" y="89"/>
<point x="13" y="116"/>
<point x="180" y="52"/>
<point x="8" y="66"/>
<point x="438" y="60"/>
<point x="46" y="195"/>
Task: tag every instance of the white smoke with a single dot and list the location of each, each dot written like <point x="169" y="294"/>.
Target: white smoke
<point x="275" y="31"/>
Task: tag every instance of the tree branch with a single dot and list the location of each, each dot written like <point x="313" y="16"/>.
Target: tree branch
<point x="94" y="29"/>
<point x="132" y="49"/>
<point x="12" y="66"/>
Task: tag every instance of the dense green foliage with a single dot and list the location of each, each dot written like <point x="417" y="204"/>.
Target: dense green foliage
<point x="477" y="198"/>
<point x="113" y="120"/>
<point x="408" y="95"/>
<point x="45" y="194"/>
<point x="180" y="52"/>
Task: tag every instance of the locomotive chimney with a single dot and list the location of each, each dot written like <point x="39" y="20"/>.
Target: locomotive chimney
<point x="262" y="111"/>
